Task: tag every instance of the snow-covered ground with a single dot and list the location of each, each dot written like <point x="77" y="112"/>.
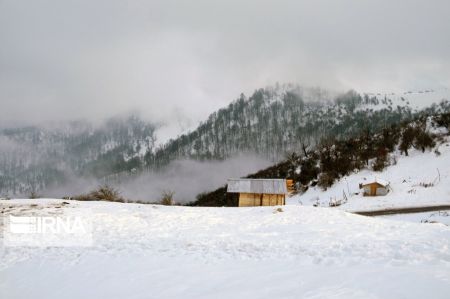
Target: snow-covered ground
<point x="407" y="178"/>
<point x="425" y="217"/>
<point x="151" y="251"/>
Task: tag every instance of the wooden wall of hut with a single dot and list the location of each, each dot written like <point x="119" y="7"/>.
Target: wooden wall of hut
<point x="255" y="199"/>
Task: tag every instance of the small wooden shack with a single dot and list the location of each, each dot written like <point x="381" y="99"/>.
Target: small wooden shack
<point x="376" y="187"/>
<point x="258" y="192"/>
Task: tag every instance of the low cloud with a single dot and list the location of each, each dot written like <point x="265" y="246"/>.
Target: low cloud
<point x="187" y="178"/>
<point x="71" y="59"/>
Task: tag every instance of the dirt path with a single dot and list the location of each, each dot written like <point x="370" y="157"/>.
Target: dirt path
<point x="409" y="210"/>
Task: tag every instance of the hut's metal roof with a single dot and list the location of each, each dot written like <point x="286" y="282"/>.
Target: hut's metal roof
<point x="267" y="186"/>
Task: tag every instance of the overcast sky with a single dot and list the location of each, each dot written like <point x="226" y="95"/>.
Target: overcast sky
<point x="180" y="60"/>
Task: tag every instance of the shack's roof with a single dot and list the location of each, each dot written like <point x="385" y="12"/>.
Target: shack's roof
<point x="378" y="181"/>
<point x="267" y="186"/>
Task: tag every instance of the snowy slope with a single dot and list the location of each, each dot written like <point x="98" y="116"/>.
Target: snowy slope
<point x="407" y="178"/>
<point x="416" y="99"/>
<point x="150" y="251"/>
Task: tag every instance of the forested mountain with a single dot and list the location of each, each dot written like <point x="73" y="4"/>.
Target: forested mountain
<point x="271" y="123"/>
<point x="275" y="121"/>
<point x="34" y="158"/>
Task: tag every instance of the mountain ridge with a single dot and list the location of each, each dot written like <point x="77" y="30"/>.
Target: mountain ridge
<point x="272" y="123"/>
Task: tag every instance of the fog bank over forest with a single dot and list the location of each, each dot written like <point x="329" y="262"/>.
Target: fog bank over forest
<point x="186" y="178"/>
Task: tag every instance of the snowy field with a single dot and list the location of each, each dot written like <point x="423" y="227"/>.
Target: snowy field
<point x="150" y="251"/>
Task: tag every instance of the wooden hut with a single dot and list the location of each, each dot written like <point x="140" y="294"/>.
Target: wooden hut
<point x="376" y="187"/>
<point x="258" y="192"/>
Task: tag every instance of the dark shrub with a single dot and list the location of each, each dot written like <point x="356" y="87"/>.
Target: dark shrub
<point x="407" y="139"/>
<point x="103" y="193"/>
<point x="326" y="180"/>
<point x="423" y="140"/>
<point x="167" y="198"/>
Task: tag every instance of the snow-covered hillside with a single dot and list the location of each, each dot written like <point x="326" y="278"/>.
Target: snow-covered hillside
<point x="150" y="251"/>
<point x="415" y="180"/>
<point x="417" y="99"/>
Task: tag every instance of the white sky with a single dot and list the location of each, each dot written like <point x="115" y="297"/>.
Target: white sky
<point x="177" y="61"/>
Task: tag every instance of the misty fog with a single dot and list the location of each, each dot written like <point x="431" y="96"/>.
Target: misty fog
<point x="187" y="178"/>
